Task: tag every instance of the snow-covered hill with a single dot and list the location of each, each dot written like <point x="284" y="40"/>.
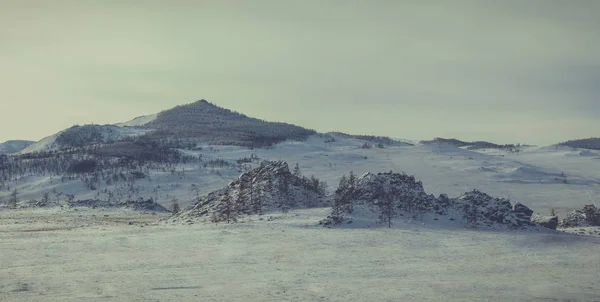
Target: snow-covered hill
<point x="139" y="121"/>
<point x="80" y="136"/>
<point x="443" y="169"/>
<point x="13" y="146"/>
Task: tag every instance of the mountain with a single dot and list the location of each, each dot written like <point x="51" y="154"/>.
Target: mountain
<point x="180" y="127"/>
<point x="216" y="125"/>
<point x="14" y="146"/>
<point x="587" y="143"/>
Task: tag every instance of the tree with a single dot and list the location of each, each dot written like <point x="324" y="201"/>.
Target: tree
<point x="257" y="203"/>
<point x="297" y="171"/>
<point x="45" y="198"/>
<point x="13" y="199"/>
<point x="194" y="188"/>
<point x="284" y="187"/>
<point x="175" y="206"/>
<point x="471" y="214"/>
<point x="343" y="199"/>
<point x="388" y="205"/>
<point x="352" y="184"/>
<point x="227" y="209"/>
<point x="251" y="201"/>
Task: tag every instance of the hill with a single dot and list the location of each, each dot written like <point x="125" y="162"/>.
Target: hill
<point x="81" y="136"/>
<point x="587" y="143"/>
<point x="205" y="121"/>
<point x="471" y="145"/>
<point x="14" y="146"/>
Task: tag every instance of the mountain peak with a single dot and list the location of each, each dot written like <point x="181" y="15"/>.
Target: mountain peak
<point x="207" y="121"/>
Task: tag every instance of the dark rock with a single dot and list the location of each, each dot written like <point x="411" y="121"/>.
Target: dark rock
<point x="522" y="211"/>
<point x="550" y="222"/>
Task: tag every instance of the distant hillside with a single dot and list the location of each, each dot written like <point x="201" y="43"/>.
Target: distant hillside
<point x="370" y="138"/>
<point x="203" y="120"/>
<point x="588" y="143"/>
<point x="14" y="146"/>
<point x="81" y="136"/>
<point x="471" y="145"/>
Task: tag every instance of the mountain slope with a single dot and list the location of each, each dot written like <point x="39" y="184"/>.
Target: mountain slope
<point x="180" y="127"/>
<point x="80" y="136"/>
<point x="470" y="145"/>
<point x="138" y="121"/>
<point x="588" y="143"/>
<point x="14" y="146"/>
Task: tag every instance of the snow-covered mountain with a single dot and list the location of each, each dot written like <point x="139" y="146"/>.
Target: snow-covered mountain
<point x="207" y="122"/>
<point x="181" y="126"/>
<point x="14" y="146"/>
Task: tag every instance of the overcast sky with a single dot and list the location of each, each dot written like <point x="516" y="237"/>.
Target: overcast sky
<point x="506" y="71"/>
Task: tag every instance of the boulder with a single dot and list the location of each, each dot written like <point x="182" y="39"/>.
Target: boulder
<point x="550" y="222"/>
<point x="522" y="211"/>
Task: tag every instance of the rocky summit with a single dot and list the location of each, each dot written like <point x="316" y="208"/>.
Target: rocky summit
<point x="588" y="216"/>
<point x="397" y="194"/>
<point x="269" y="187"/>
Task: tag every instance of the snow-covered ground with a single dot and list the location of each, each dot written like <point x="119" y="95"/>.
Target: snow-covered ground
<point x="67" y="254"/>
<point x="542" y="178"/>
<point x="91" y="255"/>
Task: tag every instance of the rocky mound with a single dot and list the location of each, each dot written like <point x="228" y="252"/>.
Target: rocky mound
<point x="269" y="187"/>
<point x="479" y="208"/>
<point x="588" y="216"/>
<point x="394" y="194"/>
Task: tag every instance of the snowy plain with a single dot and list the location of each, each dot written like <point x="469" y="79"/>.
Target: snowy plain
<point x="66" y="255"/>
<point x="79" y="254"/>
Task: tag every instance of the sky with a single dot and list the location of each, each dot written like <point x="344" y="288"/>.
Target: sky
<point x="511" y="71"/>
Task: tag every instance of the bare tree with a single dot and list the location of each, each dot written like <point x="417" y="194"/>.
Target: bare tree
<point x="388" y="207"/>
<point x="175" y="206"/>
<point x="13" y="199"/>
<point x="196" y="190"/>
<point x="45" y="198"/>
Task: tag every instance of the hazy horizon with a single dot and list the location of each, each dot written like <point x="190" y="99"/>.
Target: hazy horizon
<point x="507" y="72"/>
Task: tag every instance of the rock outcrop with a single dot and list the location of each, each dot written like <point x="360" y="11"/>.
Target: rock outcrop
<point x="550" y="222"/>
<point x="270" y="187"/>
<point x="588" y="216"/>
<point x="397" y="194"/>
<point x="479" y="208"/>
<point x="522" y="211"/>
